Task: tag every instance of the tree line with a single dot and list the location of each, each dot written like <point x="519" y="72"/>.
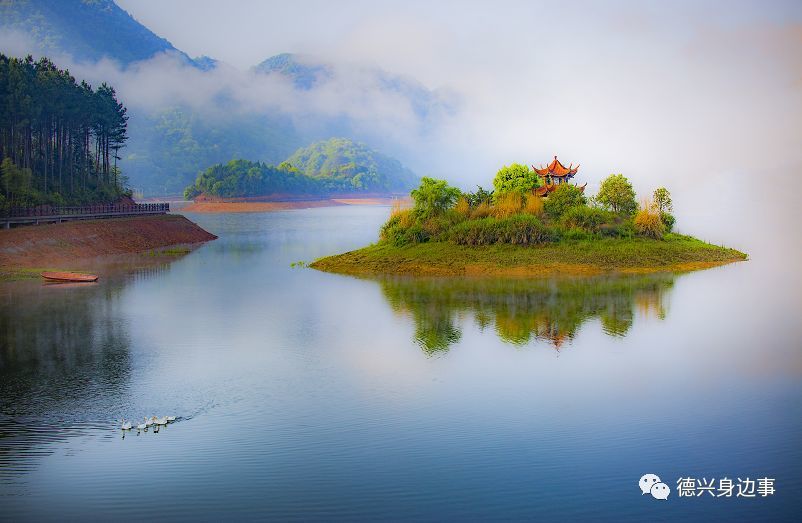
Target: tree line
<point x="59" y="139"/>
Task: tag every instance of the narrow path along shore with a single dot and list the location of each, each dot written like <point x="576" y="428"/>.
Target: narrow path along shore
<point x="60" y="245"/>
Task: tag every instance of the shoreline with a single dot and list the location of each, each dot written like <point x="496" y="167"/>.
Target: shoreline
<point x="584" y="258"/>
<point x="248" y="206"/>
<point x="76" y="245"/>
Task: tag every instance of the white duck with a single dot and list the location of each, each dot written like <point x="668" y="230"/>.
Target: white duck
<point x="126" y="425"/>
<point x="170" y="418"/>
<point x="161" y="421"/>
<point x="150" y="421"/>
<point x="143" y="425"/>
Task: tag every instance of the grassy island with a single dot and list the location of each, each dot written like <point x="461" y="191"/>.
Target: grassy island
<point x="514" y="231"/>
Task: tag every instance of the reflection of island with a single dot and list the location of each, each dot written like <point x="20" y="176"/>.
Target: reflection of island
<point x="522" y="310"/>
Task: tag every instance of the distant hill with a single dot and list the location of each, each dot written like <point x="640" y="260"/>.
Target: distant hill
<point x="351" y="165"/>
<point x="329" y="167"/>
<point x="169" y="148"/>
<point x="86" y="29"/>
<point x="305" y="73"/>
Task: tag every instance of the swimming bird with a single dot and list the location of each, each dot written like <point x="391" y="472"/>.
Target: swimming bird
<point x="170" y="418"/>
<point x="143" y="425"/>
<point x="161" y="421"/>
<point x="126" y="425"/>
<point x="149" y="421"/>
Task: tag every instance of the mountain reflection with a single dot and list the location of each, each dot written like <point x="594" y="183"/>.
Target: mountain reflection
<point x="523" y="310"/>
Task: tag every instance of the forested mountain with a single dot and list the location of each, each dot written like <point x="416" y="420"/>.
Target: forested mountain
<point x="352" y="166"/>
<point x="169" y="148"/>
<point x="329" y="167"/>
<point x="88" y="30"/>
<point x="59" y="139"/>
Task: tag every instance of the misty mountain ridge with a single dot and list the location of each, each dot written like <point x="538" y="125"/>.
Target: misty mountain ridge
<point x="88" y="30"/>
<point x="308" y="72"/>
<point x="171" y="141"/>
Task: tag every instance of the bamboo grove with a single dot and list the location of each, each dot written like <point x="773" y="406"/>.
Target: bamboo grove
<point x="59" y="139"/>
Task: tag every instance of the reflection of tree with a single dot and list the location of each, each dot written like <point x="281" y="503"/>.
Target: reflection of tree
<point x="435" y="331"/>
<point x="522" y="310"/>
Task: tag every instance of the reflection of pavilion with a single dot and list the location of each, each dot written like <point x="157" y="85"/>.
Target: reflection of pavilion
<point x="524" y="310"/>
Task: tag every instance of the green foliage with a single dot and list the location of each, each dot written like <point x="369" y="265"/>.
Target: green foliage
<point x="617" y="195"/>
<point x="61" y="137"/>
<point x="517" y="218"/>
<point x="398" y="234"/>
<point x="668" y="221"/>
<point x="564" y="197"/>
<point x="618" y="229"/>
<point x="240" y="178"/>
<point x="521" y="229"/>
<point x="169" y="148"/>
<point x="586" y="218"/>
<point x="515" y="178"/>
<point x="433" y="197"/>
<point x="344" y="165"/>
<point x="16" y="182"/>
<point x="479" y="197"/>
<point x="662" y="200"/>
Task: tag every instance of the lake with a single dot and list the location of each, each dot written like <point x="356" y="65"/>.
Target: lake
<point x="303" y="395"/>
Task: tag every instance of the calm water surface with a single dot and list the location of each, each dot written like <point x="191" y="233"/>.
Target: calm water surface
<point x="305" y="395"/>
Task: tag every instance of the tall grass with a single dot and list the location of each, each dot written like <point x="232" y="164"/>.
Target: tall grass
<point x="483" y="210"/>
<point x="533" y="205"/>
<point x="463" y="207"/>
<point x="648" y="222"/>
<point x="520" y="229"/>
<point x="508" y="204"/>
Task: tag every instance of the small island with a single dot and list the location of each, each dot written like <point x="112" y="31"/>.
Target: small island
<point x="533" y="223"/>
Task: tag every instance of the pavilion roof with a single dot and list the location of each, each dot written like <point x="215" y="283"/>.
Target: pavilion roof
<point x="555" y="168"/>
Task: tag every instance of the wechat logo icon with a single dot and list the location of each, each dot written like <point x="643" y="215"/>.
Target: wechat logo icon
<point x="651" y="484"/>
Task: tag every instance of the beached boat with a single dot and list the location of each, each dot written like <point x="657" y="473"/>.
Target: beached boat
<point x="69" y="276"/>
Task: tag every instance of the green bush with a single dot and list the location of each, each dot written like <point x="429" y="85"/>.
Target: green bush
<point x="515" y="178"/>
<point x="433" y="197"/>
<point x="585" y="218"/>
<point x="398" y="235"/>
<point x="618" y="229"/>
<point x="563" y="198"/>
<point x="574" y="234"/>
<point x="479" y="197"/>
<point x="668" y="221"/>
<point x="521" y="229"/>
<point x="617" y="194"/>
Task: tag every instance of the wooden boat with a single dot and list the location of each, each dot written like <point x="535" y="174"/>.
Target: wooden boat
<point x="69" y="276"/>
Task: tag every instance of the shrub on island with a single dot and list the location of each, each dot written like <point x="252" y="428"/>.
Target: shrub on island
<point x="515" y="215"/>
